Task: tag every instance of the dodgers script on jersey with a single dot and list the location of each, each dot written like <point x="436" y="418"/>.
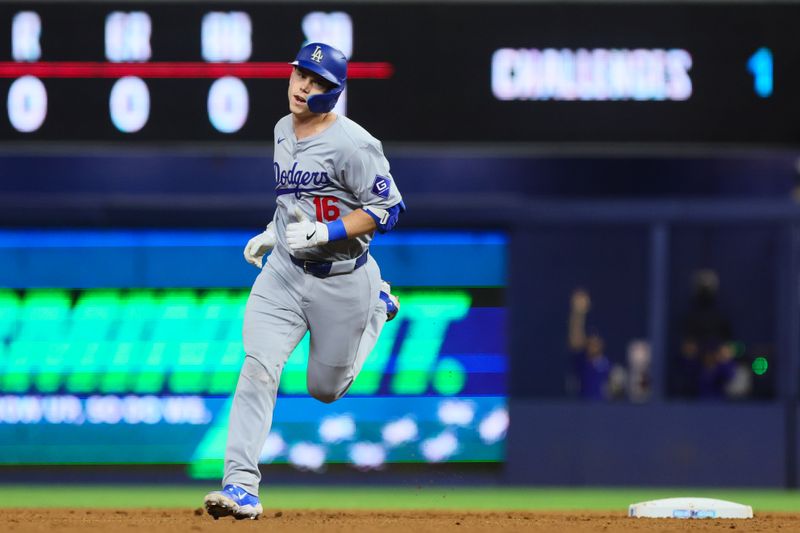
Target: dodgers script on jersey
<point x="330" y="175"/>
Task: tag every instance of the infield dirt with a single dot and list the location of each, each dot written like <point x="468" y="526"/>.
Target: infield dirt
<point x="178" y="520"/>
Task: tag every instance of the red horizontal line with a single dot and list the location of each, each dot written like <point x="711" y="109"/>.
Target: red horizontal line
<point x="175" y="70"/>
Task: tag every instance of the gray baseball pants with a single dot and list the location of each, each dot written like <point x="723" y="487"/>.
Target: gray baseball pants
<point x="344" y="315"/>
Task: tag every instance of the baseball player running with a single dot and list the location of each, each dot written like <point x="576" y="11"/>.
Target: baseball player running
<point x="334" y="190"/>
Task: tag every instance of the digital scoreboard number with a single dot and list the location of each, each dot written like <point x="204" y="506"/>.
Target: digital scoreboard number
<point x="500" y="73"/>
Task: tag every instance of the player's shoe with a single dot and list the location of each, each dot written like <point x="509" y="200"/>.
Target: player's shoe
<point x="391" y="301"/>
<point x="233" y="501"/>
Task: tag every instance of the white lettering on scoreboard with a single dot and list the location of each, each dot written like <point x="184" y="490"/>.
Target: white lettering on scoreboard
<point x="128" y="36"/>
<point x="26" y="29"/>
<point x="599" y="74"/>
<point x="226" y="36"/>
<point x="109" y="409"/>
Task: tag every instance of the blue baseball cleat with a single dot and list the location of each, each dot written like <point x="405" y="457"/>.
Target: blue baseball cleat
<point x="391" y="301"/>
<point x="233" y="501"/>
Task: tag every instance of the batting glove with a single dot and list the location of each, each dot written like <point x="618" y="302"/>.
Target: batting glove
<point x="304" y="233"/>
<point x="259" y="245"/>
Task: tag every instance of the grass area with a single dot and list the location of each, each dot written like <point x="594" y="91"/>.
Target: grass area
<point x="335" y="497"/>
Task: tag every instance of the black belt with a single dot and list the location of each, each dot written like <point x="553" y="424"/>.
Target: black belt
<point x="322" y="269"/>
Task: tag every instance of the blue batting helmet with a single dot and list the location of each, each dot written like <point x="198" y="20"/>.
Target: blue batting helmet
<point x="329" y="63"/>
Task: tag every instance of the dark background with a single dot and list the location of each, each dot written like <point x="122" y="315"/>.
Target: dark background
<point x="441" y="90"/>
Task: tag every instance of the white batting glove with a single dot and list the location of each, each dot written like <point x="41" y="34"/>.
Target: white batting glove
<point x="304" y="233"/>
<point x="259" y="245"/>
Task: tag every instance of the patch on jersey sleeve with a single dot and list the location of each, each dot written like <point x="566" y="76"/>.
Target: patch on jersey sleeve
<point x="382" y="186"/>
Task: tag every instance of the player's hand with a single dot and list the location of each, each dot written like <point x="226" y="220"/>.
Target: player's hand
<point x="259" y="245"/>
<point x="304" y="233"/>
<point x="581" y="302"/>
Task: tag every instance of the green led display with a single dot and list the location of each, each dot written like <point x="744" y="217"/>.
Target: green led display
<point x="760" y="366"/>
<point x="146" y="341"/>
<point x="433" y="313"/>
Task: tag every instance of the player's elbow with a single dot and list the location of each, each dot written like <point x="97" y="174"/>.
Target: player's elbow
<point x="385" y="219"/>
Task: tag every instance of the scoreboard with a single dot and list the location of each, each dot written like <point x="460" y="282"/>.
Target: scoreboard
<point x="472" y="72"/>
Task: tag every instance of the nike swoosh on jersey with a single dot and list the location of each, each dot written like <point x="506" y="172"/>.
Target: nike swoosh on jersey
<point x="281" y="140"/>
<point x="308" y="237"/>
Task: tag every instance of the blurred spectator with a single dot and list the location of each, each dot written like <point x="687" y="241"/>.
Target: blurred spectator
<point x="706" y="364"/>
<point x="591" y="367"/>
<point x="639" y="380"/>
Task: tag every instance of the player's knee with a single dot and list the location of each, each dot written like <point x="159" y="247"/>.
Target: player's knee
<point x="255" y="372"/>
<point x="325" y="387"/>
<point x="324" y="392"/>
<point x="324" y="395"/>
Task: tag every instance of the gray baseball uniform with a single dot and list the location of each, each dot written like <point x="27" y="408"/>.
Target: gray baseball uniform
<point x="327" y="175"/>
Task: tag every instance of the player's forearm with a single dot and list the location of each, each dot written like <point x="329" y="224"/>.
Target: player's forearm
<point x="358" y="223"/>
<point x="304" y="233"/>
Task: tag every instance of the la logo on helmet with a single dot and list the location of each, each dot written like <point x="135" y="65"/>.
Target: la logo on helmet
<point x="317" y="55"/>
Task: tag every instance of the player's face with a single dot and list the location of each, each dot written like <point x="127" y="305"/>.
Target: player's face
<point x="302" y="85"/>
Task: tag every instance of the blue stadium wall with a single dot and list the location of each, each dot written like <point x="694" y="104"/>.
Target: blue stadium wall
<point x="549" y="208"/>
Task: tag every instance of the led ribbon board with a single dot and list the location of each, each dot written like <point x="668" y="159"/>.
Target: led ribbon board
<point x="145" y="375"/>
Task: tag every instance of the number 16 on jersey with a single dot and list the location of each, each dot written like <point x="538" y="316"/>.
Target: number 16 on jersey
<point x="327" y="210"/>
